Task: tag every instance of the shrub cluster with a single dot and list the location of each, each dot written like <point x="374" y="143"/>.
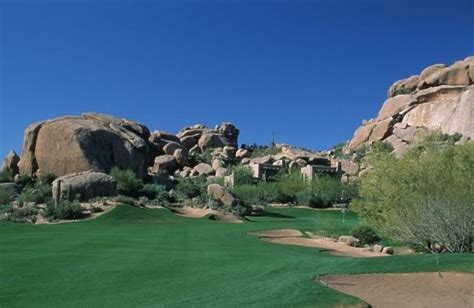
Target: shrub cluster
<point x="426" y="197"/>
<point x="64" y="210"/>
<point x="366" y="234"/>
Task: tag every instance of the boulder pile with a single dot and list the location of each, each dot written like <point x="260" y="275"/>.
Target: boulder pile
<point x="440" y="97"/>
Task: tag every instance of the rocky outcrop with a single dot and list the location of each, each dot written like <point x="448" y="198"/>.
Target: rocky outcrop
<point x="11" y="189"/>
<point x="91" y="141"/>
<point x="221" y="195"/>
<point x="84" y="186"/>
<point x="441" y="97"/>
<point x="10" y="164"/>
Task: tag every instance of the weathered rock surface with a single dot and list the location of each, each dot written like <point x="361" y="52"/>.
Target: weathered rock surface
<point x="204" y="169"/>
<point x="441" y="97"/>
<point x="165" y="163"/>
<point x="92" y="141"/>
<point x="10" y="164"/>
<point x="84" y="185"/>
<point x="220" y="194"/>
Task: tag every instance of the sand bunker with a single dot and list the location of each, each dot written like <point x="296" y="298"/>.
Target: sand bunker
<point x="407" y="290"/>
<point x="294" y="237"/>
<point x="191" y="212"/>
<point x="277" y="233"/>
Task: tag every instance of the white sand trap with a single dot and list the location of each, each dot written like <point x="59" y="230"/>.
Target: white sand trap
<point x="277" y="233"/>
<point x="407" y="290"/>
<point x="192" y="212"/>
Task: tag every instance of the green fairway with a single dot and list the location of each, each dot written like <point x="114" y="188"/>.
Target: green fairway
<point x="138" y="257"/>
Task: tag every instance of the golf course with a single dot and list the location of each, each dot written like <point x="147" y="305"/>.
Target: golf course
<point x="132" y="256"/>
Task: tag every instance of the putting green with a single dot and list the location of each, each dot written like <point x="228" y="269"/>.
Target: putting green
<point x="138" y="257"/>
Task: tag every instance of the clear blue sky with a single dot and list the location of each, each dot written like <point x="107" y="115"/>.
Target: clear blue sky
<point x="311" y="71"/>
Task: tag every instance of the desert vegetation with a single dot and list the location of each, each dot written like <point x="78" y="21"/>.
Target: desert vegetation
<point x="426" y="197"/>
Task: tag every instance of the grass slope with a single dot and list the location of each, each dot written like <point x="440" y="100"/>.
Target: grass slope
<point x="137" y="257"/>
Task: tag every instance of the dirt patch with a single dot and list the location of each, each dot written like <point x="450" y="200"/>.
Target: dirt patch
<point x="295" y="237"/>
<point x="279" y="233"/>
<point x="407" y="290"/>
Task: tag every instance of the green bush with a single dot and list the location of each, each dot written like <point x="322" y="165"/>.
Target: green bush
<point x="243" y="175"/>
<point x="64" y="210"/>
<point x="5" y="177"/>
<point x="288" y="186"/>
<point x="39" y="193"/>
<point x="264" y="151"/>
<point x="125" y="200"/>
<point x="204" y="157"/>
<point x="4" y="196"/>
<point x="22" y="214"/>
<point x="366" y="234"/>
<point x="268" y="192"/>
<point x="155" y="192"/>
<point x="127" y="182"/>
<point x="189" y="188"/>
<point x="248" y="194"/>
<point x="425" y="198"/>
<point x="25" y="181"/>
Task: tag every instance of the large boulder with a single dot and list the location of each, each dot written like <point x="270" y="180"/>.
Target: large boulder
<point x="440" y="98"/>
<point x="10" y="163"/>
<point x="204" y="169"/>
<point x="165" y="163"/>
<point x="221" y="195"/>
<point x="74" y="144"/>
<point x="84" y="186"/>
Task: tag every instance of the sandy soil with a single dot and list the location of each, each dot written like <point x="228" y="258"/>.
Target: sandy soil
<point x="191" y="212"/>
<point x="407" y="290"/>
<point x="294" y="237"/>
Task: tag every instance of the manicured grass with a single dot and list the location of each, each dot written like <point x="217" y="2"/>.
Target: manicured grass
<point x="137" y="257"/>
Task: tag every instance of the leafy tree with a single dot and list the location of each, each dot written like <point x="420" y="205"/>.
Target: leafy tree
<point x="127" y="182"/>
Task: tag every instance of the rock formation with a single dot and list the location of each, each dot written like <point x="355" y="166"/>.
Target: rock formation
<point x="441" y="97"/>
<point x="10" y="164"/>
<point x="84" y="186"/>
<point x="92" y="141"/>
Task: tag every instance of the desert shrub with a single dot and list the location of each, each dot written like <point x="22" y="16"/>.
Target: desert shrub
<point x="338" y="150"/>
<point x="247" y="194"/>
<point x="189" y="188"/>
<point x="243" y="175"/>
<point x="39" y="193"/>
<point x="46" y="179"/>
<point x="263" y="151"/>
<point x="25" y="181"/>
<point x="204" y="157"/>
<point x="4" y="196"/>
<point x="22" y="214"/>
<point x="366" y="234"/>
<point x="5" y="177"/>
<point x="425" y="198"/>
<point x="289" y="185"/>
<point x="155" y="192"/>
<point x="127" y="182"/>
<point x="308" y="197"/>
<point x="268" y="192"/>
<point x="125" y="200"/>
<point x="65" y="209"/>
